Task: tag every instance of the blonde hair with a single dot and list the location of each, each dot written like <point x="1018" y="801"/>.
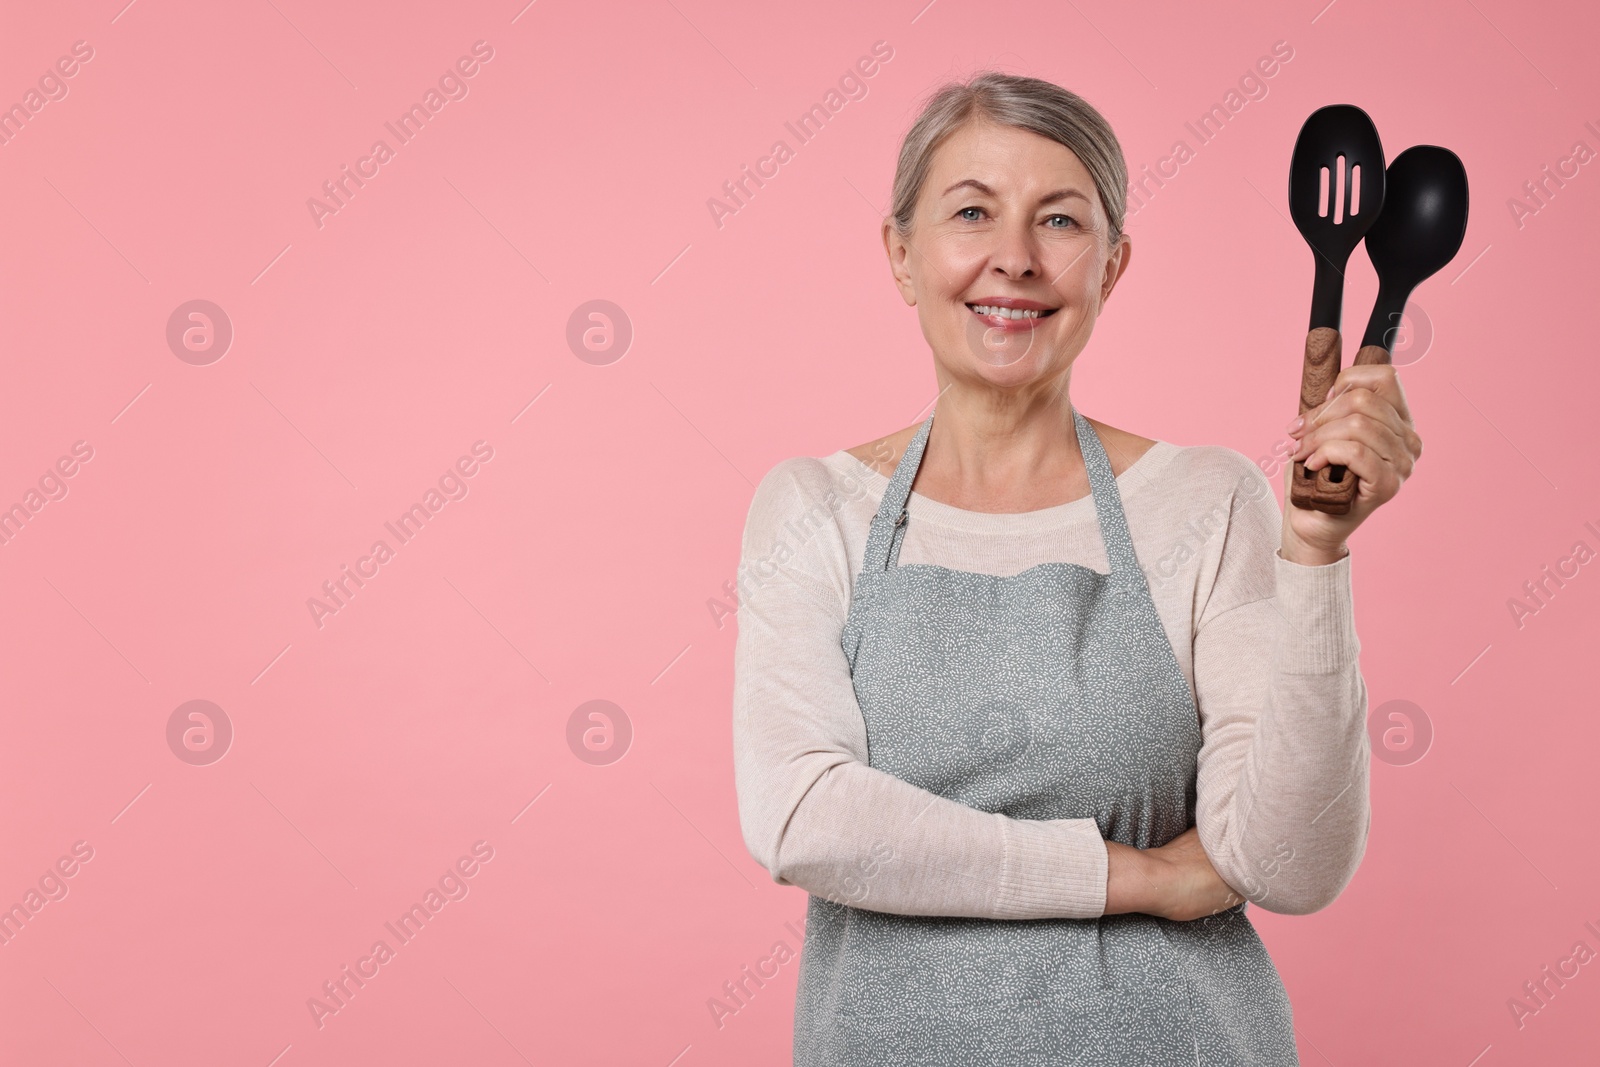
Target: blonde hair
<point x="1031" y="104"/>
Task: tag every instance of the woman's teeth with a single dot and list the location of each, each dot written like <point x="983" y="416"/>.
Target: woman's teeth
<point x="1008" y="313"/>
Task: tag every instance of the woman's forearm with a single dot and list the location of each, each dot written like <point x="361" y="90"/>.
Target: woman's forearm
<point x="862" y="837"/>
<point x="1131" y="881"/>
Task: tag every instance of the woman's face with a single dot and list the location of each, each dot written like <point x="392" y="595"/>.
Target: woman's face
<point x="1006" y="218"/>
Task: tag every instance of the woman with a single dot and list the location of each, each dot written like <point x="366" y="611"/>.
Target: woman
<point x="1030" y="732"/>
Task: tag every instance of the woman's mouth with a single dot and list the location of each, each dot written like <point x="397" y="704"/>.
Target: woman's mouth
<point x="1010" y="319"/>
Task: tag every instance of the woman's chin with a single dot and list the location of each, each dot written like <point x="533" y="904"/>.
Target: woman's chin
<point x="1014" y="352"/>
<point x="1005" y="372"/>
<point x="1007" y="346"/>
<point x="1002" y="349"/>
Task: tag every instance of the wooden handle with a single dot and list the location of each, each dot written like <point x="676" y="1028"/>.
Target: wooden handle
<point x="1307" y="490"/>
<point x="1335" y="484"/>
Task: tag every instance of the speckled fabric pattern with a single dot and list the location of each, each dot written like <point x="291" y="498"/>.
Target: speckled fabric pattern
<point x="1049" y="694"/>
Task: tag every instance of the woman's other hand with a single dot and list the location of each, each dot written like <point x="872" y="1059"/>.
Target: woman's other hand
<point x="1175" y="881"/>
<point x="1364" y="425"/>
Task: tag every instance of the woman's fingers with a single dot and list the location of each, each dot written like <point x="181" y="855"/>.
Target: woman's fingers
<point x="1379" y="478"/>
<point x="1373" y="434"/>
<point x="1354" y="400"/>
<point x="1368" y="409"/>
<point x="1380" y="379"/>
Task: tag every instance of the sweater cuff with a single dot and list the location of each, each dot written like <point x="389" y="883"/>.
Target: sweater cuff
<point x="1318" y="609"/>
<point x="1054" y="869"/>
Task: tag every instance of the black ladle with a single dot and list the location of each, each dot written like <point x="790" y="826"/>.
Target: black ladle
<point x="1420" y="229"/>
<point x="1333" y="214"/>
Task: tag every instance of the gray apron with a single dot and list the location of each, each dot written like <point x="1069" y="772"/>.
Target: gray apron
<point x="1050" y="694"/>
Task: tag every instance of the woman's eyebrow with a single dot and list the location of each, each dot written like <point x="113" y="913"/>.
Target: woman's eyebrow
<point x="1048" y="198"/>
<point x="1064" y="194"/>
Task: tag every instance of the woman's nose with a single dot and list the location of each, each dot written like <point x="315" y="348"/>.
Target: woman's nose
<point x="1015" y="253"/>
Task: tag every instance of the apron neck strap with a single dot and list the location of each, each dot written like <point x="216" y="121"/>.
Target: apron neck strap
<point x="888" y="528"/>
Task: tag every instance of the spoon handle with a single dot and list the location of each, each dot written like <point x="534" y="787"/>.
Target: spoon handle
<point x="1335" y="484"/>
<point x="1321" y="367"/>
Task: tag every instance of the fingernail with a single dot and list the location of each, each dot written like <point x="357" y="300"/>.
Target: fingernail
<point x="1299" y="421"/>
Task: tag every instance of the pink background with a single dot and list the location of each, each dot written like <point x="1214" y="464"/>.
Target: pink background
<point x="431" y="311"/>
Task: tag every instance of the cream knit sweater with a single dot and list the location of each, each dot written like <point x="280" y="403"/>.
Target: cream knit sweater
<point x="1268" y="647"/>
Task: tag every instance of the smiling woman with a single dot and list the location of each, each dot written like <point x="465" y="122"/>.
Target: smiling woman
<point x="1066" y="779"/>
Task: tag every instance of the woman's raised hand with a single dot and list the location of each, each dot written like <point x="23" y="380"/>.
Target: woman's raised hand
<point x="1365" y="425"/>
<point x="1175" y="881"/>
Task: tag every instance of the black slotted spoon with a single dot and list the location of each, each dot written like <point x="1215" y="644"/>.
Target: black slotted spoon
<point x="1336" y="191"/>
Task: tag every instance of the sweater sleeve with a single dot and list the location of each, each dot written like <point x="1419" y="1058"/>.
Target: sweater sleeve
<point x="813" y="812"/>
<point x="1282" y="787"/>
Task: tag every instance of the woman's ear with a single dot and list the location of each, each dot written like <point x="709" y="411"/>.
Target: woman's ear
<point x="1116" y="263"/>
<point x="898" y="250"/>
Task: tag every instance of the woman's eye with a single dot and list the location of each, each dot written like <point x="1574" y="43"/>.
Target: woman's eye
<point x="1069" y="219"/>
<point x="963" y="213"/>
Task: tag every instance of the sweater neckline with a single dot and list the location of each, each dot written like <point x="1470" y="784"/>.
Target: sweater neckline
<point x="1129" y="483"/>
